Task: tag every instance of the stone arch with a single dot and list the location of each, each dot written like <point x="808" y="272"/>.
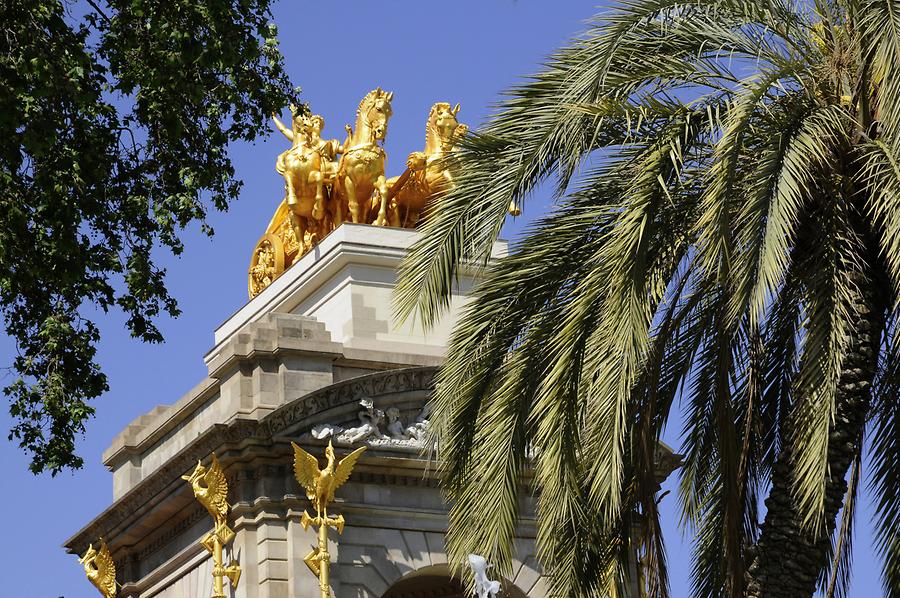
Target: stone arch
<point x="378" y="563"/>
<point x="435" y="581"/>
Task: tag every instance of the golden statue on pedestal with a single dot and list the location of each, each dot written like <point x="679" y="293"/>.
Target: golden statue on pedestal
<point x="320" y="486"/>
<point x="211" y="489"/>
<point x="321" y="189"/>
<point x="100" y="569"/>
<point x="327" y="182"/>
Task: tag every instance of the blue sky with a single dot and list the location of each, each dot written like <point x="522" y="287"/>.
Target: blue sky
<point x="465" y="51"/>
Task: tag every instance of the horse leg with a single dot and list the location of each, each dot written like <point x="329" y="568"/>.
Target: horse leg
<point x="336" y="202"/>
<point x="352" y="203"/>
<point x="315" y="177"/>
<point x="290" y="186"/>
<point x="412" y="218"/>
<point x="312" y="233"/>
<point x="298" y="223"/>
<point x="382" y="190"/>
<point x="394" y="217"/>
<point x="338" y="215"/>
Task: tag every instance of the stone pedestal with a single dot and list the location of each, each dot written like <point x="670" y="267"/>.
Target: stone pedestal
<point x="346" y="282"/>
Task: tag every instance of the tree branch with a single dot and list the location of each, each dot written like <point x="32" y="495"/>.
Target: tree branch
<point x="99" y="11"/>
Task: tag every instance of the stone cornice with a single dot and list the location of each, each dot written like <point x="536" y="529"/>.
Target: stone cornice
<point x="271" y="336"/>
<point x="239" y="436"/>
<point x="145" y="431"/>
<point x="275" y="336"/>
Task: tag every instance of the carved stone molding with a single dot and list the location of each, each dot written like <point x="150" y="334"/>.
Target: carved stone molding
<point x="348" y="393"/>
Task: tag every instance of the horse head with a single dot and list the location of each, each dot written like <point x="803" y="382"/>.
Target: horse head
<point x="373" y="114"/>
<point x="442" y="127"/>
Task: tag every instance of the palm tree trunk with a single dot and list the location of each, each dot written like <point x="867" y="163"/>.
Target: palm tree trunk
<point x="787" y="561"/>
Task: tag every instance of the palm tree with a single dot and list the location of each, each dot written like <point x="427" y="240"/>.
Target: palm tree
<point x="725" y="237"/>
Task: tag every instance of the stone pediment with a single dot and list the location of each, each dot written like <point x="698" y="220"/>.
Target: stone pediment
<point x="408" y="388"/>
<point x="387" y="411"/>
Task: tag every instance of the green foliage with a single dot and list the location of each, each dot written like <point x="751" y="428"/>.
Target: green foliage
<point x="114" y="127"/>
<point x="725" y="232"/>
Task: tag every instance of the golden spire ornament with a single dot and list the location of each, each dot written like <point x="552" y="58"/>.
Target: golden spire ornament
<point x="100" y="569"/>
<point x="211" y="489"/>
<point x="320" y="486"/>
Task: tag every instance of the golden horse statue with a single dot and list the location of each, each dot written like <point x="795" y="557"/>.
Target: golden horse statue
<point x="100" y="569"/>
<point x="361" y="168"/>
<point x="426" y="175"/>
<point x="322" y="191"/>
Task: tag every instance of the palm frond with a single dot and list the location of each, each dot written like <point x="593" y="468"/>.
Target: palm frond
<point x="720" y="202"/>
<point x="838" y="578"/>
<point x="711" y="489"/>
<point x="829" y="299"/>
<point x="885" y="472"/>
<point x="880" y="176"/>
<point x="486" y="503"/>
<point x="635" y="265"/>
<point x="807" y="154"/>
<point x="781" y="347"/>
<point x="486" y="395"/>
<point x="879" y="23"/>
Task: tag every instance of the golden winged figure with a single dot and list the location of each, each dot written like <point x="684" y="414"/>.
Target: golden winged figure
<point x="211" y="489"/>
<point x="100" y="569"/>
<point x="321" y="484"/>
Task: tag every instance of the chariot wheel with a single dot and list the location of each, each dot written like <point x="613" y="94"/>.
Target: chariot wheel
<point x="266" y="264"/>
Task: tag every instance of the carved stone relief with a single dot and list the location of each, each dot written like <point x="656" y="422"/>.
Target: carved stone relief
<point x="374" y="431"/>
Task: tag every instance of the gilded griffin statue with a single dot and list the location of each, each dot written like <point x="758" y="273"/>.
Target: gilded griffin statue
<point x="321" y="484"/>
<point x="100" y="569"/>
<point x="211" y="489"/>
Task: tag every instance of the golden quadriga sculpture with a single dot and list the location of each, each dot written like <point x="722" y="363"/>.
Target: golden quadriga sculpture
<point x="320" y="485"/>
<point x="100" y="569"/>
<point x="327" y="182"/>
<point x="211" y="490"/>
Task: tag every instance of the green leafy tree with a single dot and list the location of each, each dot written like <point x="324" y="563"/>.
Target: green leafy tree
<point x="725" y="237"/>
<point x="115" y="121"/>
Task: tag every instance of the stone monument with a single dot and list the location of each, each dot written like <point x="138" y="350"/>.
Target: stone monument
<point x="314" y="357"/>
